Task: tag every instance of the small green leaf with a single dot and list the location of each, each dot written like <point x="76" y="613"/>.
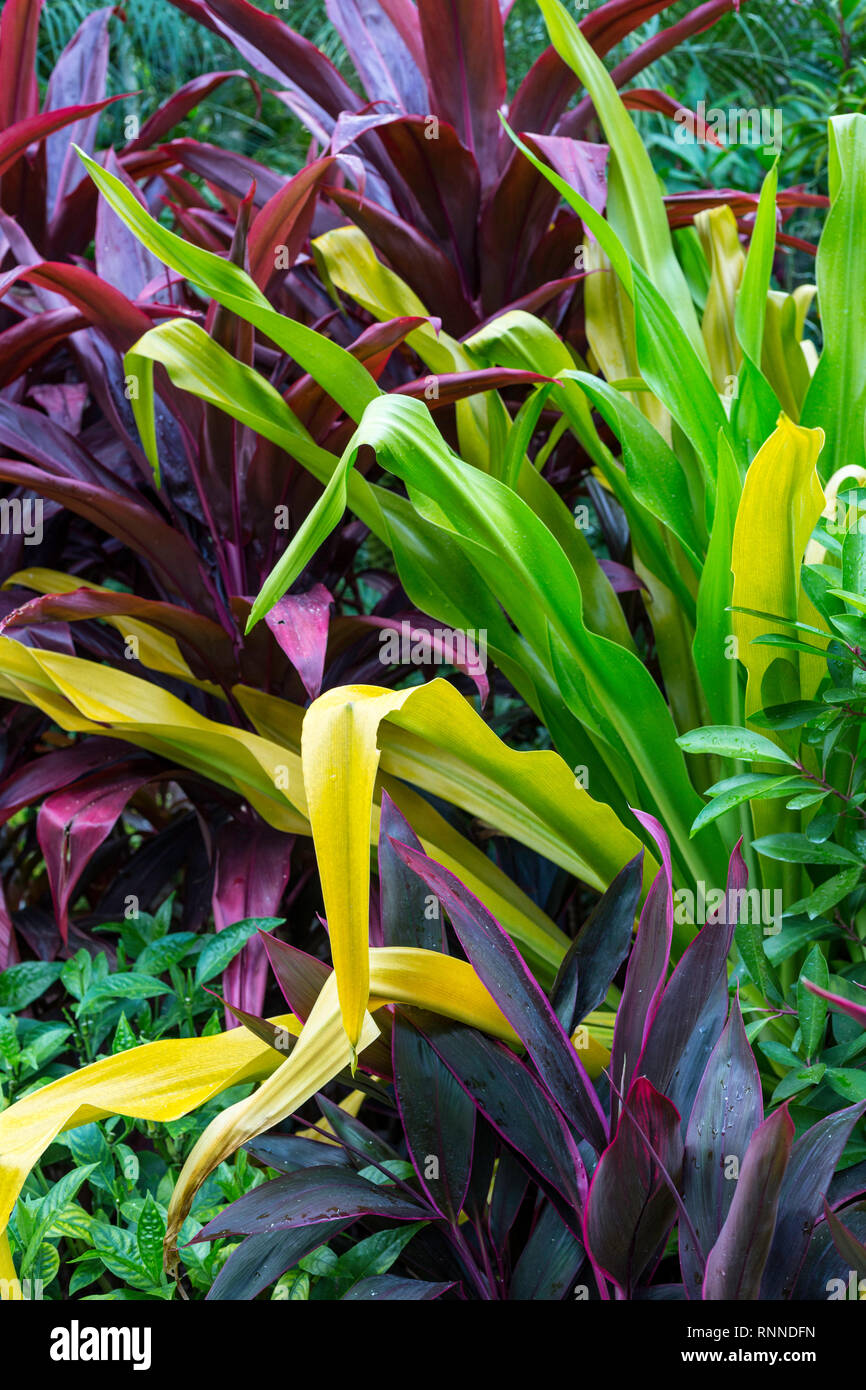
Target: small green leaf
<point x="21" y="985"/>
<point x="811" y="1008"/>
<point x="733" y="743"/>
<point x="149" y="1236"/>
<point x="798" y="849"/>
<point x="222" y="948"/>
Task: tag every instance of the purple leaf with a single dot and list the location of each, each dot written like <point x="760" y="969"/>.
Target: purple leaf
<point x="178" y="106"/>
<point x="403" y="901"/>
<point x="737" y="1260"/>
<point x="504" y="973"/>
<point x="512" y="1101"/>
<point x="306" y="1198"/>
<point x="72" y="824"/>
<point x="19" y="34"/>
<point x="388" y="1288"/>
<point x="300" y="624"/>
<point x="691" y="985"/>
<point x="852" y="1250"/>
<point x="17" y="138"/>
<point x="53" y="771"/>
<point x="438" y="1119"/>
<point x="630" y="1209"/>
<point x="582" y="165"/>
<point x="121" y="259"/>
<point x="622" y="579"/>
<point x="252" y="870"/>
<point x="260" y="1260"/>
<point x="78" y="78"/>
<point x="380" y="55"/>
<point x="813" y="1162"/>
<point x="436" y="644"/>
<point x="465" y="50"/>
<point x="645" y="976"/>
<point x="600" y="947"/>
<point x="727" y="1110"/>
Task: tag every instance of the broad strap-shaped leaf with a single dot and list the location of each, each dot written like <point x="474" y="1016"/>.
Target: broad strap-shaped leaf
<point x="438" y="1119"/>
<point x="814" y="1158"/>
<point x="306" y="1198"/>
<point x="600" y="947"/>
<point x="502" y="969"/>
<point x="630" y="1208"/>
<point x="689" y="988"/>
<point x="850" y="1248"/>
<point x="645" y="976"/>
<point x="409" y="915"/>
<point x="300" y="625"/>
<point x="512" y="1101"/>
<point x="736" y="1263"/>
<point x="261" y="1260"/>
<point x="728" y="1108"/>
<point x="836" y="1001"/>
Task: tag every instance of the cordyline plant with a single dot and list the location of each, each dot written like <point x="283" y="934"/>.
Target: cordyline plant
<point x="164" y="578"/>
<point x="588" y="1179"/>
<point x="446" y="200"/>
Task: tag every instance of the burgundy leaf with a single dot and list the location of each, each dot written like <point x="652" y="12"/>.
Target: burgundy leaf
<point x="55" y="770"/>
<point x="737" y="1260"/>
<point x="622" y="579"/>
<point x="582" y="165"/>
<point x="380" y="54"/>
<point x="19" y="31"/>
<point x="15" y="140"/>
<point x="300" y="623"/>
<point x="465" y="50"/>
<point x="285" y="221"/>
<point x="252" y="870"/>
<point x="64" y="402"/>
<point x="504" y="973"/>
<point x="78" y="78"/>
<point x="814" y="1159"/>
<point x="299" y="975"/>
<point x="727" y="1109"/>
<point x="8" y="952"/>
<point x="630" y="1208"/>
<point x="403" y="903"/>
<point x="178" y="106"/>
<point x="121" y="259"/>
<point x="645" y="976"/>
<point x="651" y="99"/>
<point x="438" y="1119"/>
<point x="72" y="824"/>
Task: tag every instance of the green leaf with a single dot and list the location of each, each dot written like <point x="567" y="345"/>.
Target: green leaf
<point x="131" y="985"/>
<point x="45" y="1265"/>
<point x="52" y="1205"/>
<point x="829" y="893"/>
<point x="21" y="985"/>
<point x="165" y="951"/>
<point x="798" y="849"/>
<point x="797" y="1081"/>
<point x="812" y="1009"/>
<point x="377" y="1253"/>
<point x="149" y="1235"/>
<point x="222" y="948"/>
<point x="849" y="1082"/>
<point x="733" y="743"/>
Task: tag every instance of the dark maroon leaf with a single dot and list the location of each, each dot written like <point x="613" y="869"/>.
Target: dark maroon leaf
<point x="260" y="1261"/>
<point x="622" y="579"/>
<point x="388" y="1288"/>
<point x="645" y="977"/>
<point x="380" y="55"/>
<point x="53" y="771"/>
<point x="18" y="137"/>
<point x="600" y="946"/>
<point x="737" y="1260"/>
<point x="299" y="976"/>
<point x="73" y="823"/>
<point x="630" y="1209"/>
<point x="404" y="904"/>
<point x="306" y="1198"/>
<point x="438" y="1119"/>
<point x="178" y="106"/>
<point x="503" y="971"/>
<point x="691" y="985"/>
<point x="284" y="222"/>
<point x="852" y="1250"/>
<point x="812" y="1164"/>
<point x="463" y="41"/>
<point x="511" y="1100"/>
<point x="727" y="1109"/>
